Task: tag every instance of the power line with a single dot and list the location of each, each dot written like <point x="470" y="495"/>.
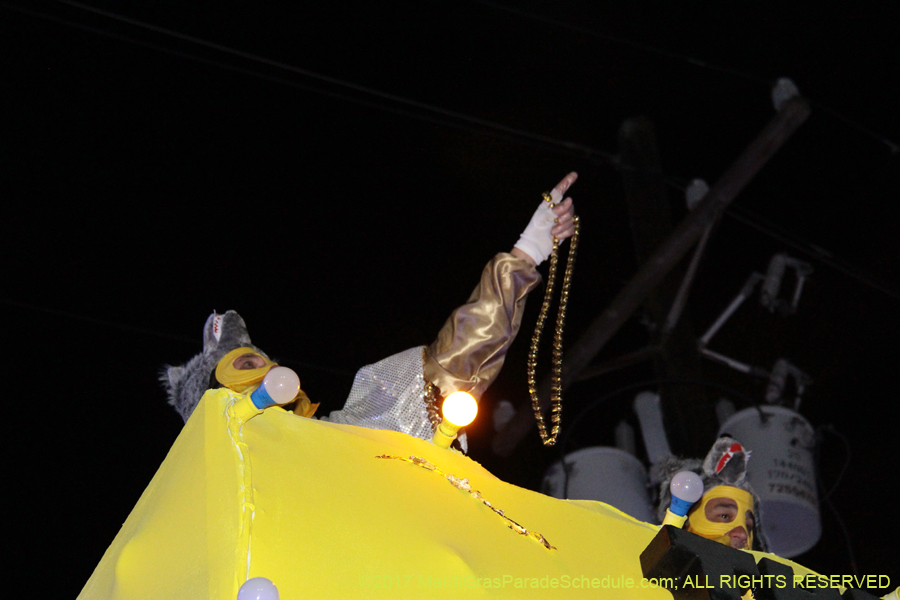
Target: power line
<point x="891" y="145"/>
<point x="623" y="41"/>
<point x="95" y="321"/>
<point x="496" y="129"/>
<point x="155" y="333"/>
<point x="462" y="121"/>
<point x="791" y="239"/>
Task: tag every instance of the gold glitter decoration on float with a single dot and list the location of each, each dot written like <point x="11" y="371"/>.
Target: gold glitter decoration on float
<point x="464" y="485"/>
<point x="556" y="360"/>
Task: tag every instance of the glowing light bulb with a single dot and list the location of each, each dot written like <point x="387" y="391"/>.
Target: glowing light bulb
<point x="258" y="588"/>
<point x="686" y="488"/>
<point x="460" y="408"/>
<point x="279" y="386"/>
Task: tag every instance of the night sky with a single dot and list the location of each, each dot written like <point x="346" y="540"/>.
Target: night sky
<point x="340" y="175"/>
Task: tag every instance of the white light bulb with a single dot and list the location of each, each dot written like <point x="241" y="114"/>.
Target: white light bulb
<point x="258" y="588"/>
<point x="460" y="408"/>
<point x="282" y="384"/>
<point x="687" y="486"/>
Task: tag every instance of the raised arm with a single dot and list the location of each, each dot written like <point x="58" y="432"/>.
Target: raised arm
<point x="471" y="347"/>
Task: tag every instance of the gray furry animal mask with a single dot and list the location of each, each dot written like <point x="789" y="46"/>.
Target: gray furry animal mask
<point x="187" y="383"/>
<point x="726" y="464"/>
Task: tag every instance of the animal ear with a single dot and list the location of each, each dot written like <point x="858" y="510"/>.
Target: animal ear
<point x="212" y="332"/>
<point x="727" y="460"/>
<point x="226" y="331"/>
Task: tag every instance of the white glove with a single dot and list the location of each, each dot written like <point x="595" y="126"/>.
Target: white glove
<point x="537" y="241"/>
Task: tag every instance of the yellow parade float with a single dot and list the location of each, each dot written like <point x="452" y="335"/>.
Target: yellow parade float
<point x="257" y="501"/>
<point x="326" y="510"/>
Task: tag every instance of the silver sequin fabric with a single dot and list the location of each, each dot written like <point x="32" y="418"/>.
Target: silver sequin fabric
<point x="389" y="395"/>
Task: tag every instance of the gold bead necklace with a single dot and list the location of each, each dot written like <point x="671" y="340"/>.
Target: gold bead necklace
<point x="556" y="360"/>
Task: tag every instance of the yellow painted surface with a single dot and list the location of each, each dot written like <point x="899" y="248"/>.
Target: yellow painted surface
<point x="308" y="505"/>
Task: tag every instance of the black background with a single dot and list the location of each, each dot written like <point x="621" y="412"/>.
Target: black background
<point x="148" y="180"/>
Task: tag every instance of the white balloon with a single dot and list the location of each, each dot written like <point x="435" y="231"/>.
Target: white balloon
<point x="258" y="588"/>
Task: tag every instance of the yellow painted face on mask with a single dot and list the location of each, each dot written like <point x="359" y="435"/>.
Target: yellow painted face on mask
<point x="724" y="514"/>
<point x="243" y="369"/>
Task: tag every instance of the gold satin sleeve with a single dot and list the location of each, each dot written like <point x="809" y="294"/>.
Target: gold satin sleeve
<point x="471" y="346"/>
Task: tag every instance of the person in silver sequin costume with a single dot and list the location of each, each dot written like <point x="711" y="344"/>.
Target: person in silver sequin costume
<point x="467" y="355"/>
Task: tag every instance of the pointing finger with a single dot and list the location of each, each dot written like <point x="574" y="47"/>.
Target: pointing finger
<point x="560" y="190"/>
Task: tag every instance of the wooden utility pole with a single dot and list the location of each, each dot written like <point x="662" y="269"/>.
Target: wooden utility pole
<point x="650" y="215"/>
<point x="792" y="114"/>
